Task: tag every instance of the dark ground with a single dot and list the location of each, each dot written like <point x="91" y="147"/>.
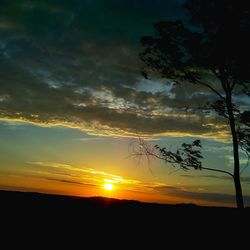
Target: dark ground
<point x="38" y="204"/>
<point x="53" y="217"/>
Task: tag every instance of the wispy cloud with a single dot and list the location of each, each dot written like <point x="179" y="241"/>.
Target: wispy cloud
<point x="69" y="182"/>
<point x="245" y="179"/>
<point x="93" y="177"/>
<point x="207" y="176"/>
<point x="85" y="173"/>
<point x="196" y="196"/>
<point x="96" y="138"/>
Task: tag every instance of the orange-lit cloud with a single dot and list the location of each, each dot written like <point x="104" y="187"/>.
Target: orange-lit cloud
<point x="82" y="174"/>
<point x="67" y="179"/>
<point x="66" y="173"/>
<point x="90" y="176"/>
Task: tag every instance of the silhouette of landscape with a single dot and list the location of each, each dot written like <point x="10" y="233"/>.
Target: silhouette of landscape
<point x="47" y="216"/>
<point x="18" y="202"/>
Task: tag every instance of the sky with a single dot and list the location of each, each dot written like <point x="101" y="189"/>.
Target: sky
<point x="72" y="98"/>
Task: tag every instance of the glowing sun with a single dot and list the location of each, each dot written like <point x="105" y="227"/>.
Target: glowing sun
<point x="108" y="186"/>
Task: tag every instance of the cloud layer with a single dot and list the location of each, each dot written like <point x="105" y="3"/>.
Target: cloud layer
<point x="84" y="176"/>
<point x="201" y="196"/>
<point x="76" y="64"/>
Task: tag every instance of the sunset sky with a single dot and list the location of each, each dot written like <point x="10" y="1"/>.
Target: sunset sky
<point x="72" y="98"/>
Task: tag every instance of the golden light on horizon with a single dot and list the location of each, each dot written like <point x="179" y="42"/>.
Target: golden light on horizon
<point x="108" y="186"/>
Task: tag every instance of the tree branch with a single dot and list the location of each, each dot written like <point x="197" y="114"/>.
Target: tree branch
<point x="148" y="153"/>
<point x="211" y="88"/>
<point x="143" y="149"/>
<point x="233" y="85"/>
<point x="218" y="170"/>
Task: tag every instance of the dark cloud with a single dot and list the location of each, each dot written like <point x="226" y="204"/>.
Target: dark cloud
<point x="76" y="63"/>
<point x="54" y="21"/>
<point x="69" y="181"/>
<point x="212" y="197"/>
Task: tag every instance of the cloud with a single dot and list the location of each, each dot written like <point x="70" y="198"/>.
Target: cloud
<point x="61" y="65"/>
<point x="93" y="176"/>
<point x="207" y="176"/>
<point x="75" y="175"/>
<point x="69" y="182"/>
<point x="92" y="138"/>
<point x="245" y="179"/>
<point x="210" y="197"/>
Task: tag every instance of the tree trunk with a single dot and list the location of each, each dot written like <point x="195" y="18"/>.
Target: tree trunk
<point x="238" y="191"/>
<point x="237" y="183"/>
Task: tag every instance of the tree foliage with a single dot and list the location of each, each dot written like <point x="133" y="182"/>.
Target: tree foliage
<point x="188" y="155"/>
<point x="213" y="51"/>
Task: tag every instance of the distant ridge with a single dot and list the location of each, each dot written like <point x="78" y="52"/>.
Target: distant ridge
<point x="37" y="198"/>
<point x="56" y="213"/>
<point x="11" y="199"/>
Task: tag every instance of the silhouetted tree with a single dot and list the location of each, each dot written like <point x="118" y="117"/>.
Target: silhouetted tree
<point x="212" y="50"/>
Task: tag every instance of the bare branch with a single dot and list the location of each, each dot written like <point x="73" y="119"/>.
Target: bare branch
<point x="212" y="89"/>
<point x="186" y="157"/>
<point x="218" y="170"/>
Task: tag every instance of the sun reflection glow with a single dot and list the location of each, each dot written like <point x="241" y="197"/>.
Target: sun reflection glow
<point x="108" y="186"/>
